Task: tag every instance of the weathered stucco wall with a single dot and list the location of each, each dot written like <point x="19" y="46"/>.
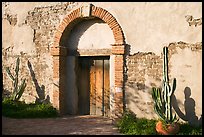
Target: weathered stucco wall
<point x="148" y="26"/>
<point x="29" y="33"/>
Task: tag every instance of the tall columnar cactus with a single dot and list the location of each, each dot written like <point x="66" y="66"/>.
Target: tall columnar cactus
<point x="162" y="97"/>
<point x="17" y="89"/>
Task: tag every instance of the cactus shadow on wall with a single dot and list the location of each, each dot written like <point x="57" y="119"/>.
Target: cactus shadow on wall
<point x="189" y="106"/>
<point x="39" y="89"/>
<point x="6" y="93"/>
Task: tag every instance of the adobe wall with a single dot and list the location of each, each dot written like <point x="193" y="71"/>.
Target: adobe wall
<point x="29" y="33"/>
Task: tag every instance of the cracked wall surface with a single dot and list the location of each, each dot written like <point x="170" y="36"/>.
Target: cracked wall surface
<point x="29" y="33"/>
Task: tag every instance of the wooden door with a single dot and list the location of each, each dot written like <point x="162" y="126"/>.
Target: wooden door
<point x="98" y="85"/>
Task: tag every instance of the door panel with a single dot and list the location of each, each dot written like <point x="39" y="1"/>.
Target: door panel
<point x="106" y="88"/>
<point x="99" y="85"/>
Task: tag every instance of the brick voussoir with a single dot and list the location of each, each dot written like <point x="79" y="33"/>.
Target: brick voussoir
<point x="104" y="12"/>
<point x="111" y="20"/>
<point x="96" y="11"/>
<point x="117" y="31"/>
<point x="75" y="14"/>
<point x="114" y="25"/>
<point x="67" y="20"/>
<point x="107" y="17"/>
<point x="61" y="28"/>
<point x="93" y="9"/>
<point x="70" y="17"/>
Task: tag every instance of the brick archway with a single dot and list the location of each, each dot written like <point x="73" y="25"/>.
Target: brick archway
<point x="59" y="53"/>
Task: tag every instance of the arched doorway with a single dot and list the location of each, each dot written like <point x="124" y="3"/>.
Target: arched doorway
<point x="116" y="53"/>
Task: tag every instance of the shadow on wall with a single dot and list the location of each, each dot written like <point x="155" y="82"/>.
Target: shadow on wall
<point x="40" y="89"/>
<point x="125" y="78"/>
<point x="140" y="95"/>
<point x="6" y="93"/>
<point x="189" y="106"/>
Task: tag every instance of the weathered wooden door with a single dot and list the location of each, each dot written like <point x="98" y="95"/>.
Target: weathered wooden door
<point x="94" y="87"/>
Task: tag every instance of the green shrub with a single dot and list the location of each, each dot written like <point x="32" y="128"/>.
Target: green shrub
<point x="129" y="124"/>
<point x="19" y="109"/>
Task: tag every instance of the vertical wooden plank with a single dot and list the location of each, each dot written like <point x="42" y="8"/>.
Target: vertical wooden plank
<point x="92" y="88"/>
<point x="99" y="85"/>
<point x="106" y="88"/>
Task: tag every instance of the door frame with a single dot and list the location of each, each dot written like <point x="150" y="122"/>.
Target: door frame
<point x="59" y="53"/>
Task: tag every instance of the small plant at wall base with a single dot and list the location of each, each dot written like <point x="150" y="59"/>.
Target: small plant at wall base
<point x="19" y="109"/>
<point x="163" y="102"/>
<point x="17" y="89"/>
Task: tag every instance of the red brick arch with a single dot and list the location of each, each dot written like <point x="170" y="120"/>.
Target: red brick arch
<point x="95" y="12"/>
<point x="118" y="50"/>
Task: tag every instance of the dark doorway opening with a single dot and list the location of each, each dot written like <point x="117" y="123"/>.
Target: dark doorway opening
<point x="93" y="84"/>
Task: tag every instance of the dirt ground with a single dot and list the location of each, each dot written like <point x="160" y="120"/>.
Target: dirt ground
<point x="67" y="125"/>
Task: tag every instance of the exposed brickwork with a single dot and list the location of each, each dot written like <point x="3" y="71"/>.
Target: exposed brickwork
<point x="141" y="64"/>
<point x="144" y="72"/>
<point x="46" y="27"/>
